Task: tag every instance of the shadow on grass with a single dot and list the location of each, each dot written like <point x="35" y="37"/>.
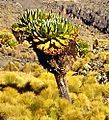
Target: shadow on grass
<point x="26" y="88"/>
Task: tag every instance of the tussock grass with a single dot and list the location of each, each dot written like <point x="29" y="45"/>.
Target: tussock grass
<point x="33" y="95"/>
<point x="88" y="98"/>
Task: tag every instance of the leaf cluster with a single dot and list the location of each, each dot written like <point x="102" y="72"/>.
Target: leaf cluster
<point x="47" y="31"/>
<point x="83" y="47"/>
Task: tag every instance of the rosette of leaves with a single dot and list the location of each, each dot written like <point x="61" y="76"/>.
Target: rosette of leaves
<point x="50" y="33"/>
<point x="53" y="39"/>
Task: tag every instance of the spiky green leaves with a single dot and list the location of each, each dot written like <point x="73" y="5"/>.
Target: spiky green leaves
<point x="83" y="47"/>
<point x="50" y="33"/>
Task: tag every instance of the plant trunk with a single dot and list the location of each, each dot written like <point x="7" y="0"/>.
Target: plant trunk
<point x="62" y="86"/>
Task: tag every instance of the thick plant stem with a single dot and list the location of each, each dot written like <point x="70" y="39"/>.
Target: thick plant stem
<point x="62" y="86"/>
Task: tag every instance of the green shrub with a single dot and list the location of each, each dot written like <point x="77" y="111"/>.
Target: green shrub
<point x="83" y="47"/>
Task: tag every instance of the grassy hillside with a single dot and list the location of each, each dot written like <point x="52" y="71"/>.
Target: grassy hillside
<point x="31" y="93"/>
<point x="25" y="97"/>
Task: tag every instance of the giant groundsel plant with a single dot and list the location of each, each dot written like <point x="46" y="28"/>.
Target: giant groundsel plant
<point x="53" y="39"/>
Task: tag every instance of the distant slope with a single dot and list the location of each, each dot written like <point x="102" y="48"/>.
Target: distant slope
<point x="9" y="12"/>
<point x="30" y="3"/>
<point x="92" y="12"/>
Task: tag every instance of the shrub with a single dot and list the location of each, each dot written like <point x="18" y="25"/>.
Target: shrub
<point x="7" y="38"/>
<point x="83" y="47"/>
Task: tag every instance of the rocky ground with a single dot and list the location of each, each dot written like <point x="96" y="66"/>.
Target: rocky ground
<point x="10" y="10"/>
<point x="92" y="12"/>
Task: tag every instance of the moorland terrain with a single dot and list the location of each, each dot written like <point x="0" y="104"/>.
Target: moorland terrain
<point x="29" y="92"/>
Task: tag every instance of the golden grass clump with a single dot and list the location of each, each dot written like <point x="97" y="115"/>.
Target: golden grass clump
<point x="7" y="38"/>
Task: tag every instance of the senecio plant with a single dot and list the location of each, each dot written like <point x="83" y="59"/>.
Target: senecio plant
<point x="53" y="39"/>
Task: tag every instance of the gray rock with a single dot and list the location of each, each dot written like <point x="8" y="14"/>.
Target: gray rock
<point x="95" y="13"/>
